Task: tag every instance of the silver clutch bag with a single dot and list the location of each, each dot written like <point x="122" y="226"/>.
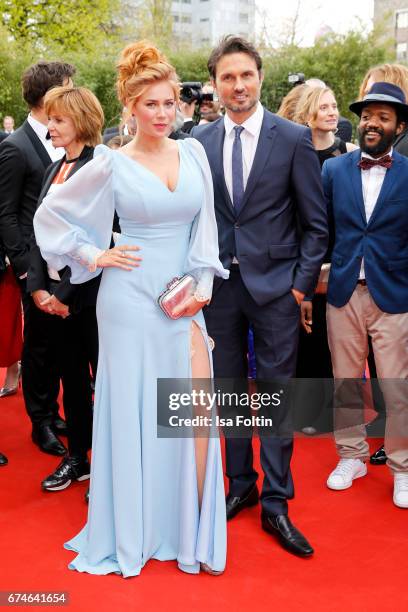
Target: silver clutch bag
<point x="178" y="291"/>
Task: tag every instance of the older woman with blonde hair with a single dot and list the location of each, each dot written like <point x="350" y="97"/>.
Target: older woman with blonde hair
<point x="156" y="491"/>
<point x="75" y="120"/>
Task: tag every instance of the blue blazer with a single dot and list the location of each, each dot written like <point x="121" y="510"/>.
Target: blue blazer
<point x="283" y="195"/>
<point x="383" y="241"/>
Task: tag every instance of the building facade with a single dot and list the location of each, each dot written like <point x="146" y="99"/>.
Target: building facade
<point x="201" y="23"/>
<point x="394" y="15"/>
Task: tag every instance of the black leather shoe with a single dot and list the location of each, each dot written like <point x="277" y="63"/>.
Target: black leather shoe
<point x="280" y="526"/>
<point x="3" y="459"/>
<point x="236" y="504"/>
<point x="47" y="441"/>
<point x="70" y="468"/>
<point x="60" y="426"/>
<point x="87" y="496"/>
<point x="379" y="457"/>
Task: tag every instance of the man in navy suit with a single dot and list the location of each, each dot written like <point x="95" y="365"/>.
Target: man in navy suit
<point x="367" y="194"/>
<point x="266" y="177"/>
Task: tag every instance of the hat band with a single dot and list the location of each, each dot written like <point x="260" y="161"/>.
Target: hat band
<point x="381" y="98"/>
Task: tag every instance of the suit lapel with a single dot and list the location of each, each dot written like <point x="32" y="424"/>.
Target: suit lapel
<point x="48" y="181"/>
<point x="390" y="179"/>
<point x="356" y="182"/>
<point x="263" y="151"/>
<point x="38" y="146"/>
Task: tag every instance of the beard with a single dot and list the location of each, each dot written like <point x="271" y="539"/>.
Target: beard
<point x="382" y="146"/>
<point x="235" y="108"/>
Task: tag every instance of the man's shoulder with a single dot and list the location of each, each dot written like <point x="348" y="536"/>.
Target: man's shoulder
<point x="335" y="164"/>
<point x="206" y="129"/>
<point x="284" y="125"/>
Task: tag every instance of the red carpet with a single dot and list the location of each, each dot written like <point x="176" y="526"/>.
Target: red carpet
<point x="360" y="538"/>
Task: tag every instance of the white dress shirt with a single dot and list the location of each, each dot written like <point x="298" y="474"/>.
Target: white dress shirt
<point x="249" y="139"/>
<point x="41" y="130"/>
<point x="372" y="181"/>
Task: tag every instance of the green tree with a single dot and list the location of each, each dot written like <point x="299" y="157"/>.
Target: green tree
<point x="71" y="24"/>
<point x="339" y="60"/>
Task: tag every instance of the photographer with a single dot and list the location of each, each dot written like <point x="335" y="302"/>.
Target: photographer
<point x="197" y="101"/>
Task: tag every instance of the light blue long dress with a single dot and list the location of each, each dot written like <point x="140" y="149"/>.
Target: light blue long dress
<point x="143" y="498"/>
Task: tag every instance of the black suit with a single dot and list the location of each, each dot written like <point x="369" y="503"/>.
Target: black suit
<point x="73" y="342"/>
<point x="284" y="183"/>
<point x="3" y="135"/>
<point x="23" y="161"/>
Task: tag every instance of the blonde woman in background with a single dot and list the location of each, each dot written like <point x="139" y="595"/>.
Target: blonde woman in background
<point x="289" y="103"/>
<point x="317" y="108"/>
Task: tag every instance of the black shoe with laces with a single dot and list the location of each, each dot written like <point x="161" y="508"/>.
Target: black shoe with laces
<point x="70" y="469"/>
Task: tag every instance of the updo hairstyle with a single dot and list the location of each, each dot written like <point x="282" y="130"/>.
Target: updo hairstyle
<point x="141" y="65"/>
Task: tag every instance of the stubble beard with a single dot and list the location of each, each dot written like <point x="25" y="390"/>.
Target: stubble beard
<point x="242" y="109"/>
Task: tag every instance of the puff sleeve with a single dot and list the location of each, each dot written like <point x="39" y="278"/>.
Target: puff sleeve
<point x="73" y="224"/>
<point x="203" y="254"/>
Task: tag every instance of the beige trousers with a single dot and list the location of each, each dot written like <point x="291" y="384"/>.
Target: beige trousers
<point x="348" y="328"/>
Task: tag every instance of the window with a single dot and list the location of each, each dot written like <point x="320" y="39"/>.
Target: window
<point x="203" y="19"/>
<point x="402" y="19"/>
<point x="175" y="18"/>
<point x="243" y="18"/>
<point x="402" y="51"/>
<point x="186" y="19"/>
<point x="186" y="1"/>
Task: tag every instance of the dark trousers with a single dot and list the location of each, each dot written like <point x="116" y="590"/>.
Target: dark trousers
<point x="78" y="344"/>
<point x="63" y="350"/>
<point x="40" y="374"/>
<point x="276" y="331"/>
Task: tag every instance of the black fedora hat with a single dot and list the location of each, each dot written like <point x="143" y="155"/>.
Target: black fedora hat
<point x="385" y="93"/>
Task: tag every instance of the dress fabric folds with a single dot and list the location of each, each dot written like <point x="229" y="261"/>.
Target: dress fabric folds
<point x="143" y="498"/>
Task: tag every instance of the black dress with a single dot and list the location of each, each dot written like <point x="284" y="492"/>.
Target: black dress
<point x="313" y="406"/>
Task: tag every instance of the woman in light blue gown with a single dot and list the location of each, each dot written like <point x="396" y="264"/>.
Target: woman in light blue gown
<point x="150" y="497"/>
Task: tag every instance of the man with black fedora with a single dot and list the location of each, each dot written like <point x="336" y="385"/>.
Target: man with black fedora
<point x="367" y="196"/>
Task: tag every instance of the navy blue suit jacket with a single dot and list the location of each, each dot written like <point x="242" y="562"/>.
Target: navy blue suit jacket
<point x="284" y="188"/>
<point x="383" y="241"/>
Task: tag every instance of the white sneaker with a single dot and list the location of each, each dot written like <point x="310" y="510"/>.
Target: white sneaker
<point x="345" y="472"/>
<point x="400" y="497"/>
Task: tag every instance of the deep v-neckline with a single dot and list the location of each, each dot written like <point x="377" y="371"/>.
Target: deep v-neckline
<point x="153" y="174"/>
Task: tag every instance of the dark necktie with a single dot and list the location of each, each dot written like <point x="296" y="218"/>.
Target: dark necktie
<point x="237" y="170"/>
<point x="366" y="163"/>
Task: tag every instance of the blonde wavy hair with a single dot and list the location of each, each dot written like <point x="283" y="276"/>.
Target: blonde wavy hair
<point x="289" y="103"/>
<point x="308" y="105"/>
<point x="397" y="74"/>
<point x="140" y="65"/>
<point x="82" y="106"/>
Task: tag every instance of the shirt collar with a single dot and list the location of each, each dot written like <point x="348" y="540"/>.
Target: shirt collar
<point x="39" y="128"/>
<point x="253" y="124"/>
<point x="363" y="154"/>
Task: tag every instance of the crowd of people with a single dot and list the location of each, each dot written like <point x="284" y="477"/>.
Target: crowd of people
<point x="297" y="242"/>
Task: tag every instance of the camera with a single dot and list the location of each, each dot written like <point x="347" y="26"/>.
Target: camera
<point x="192" y="91"/>
<point x="296" y="78"/>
